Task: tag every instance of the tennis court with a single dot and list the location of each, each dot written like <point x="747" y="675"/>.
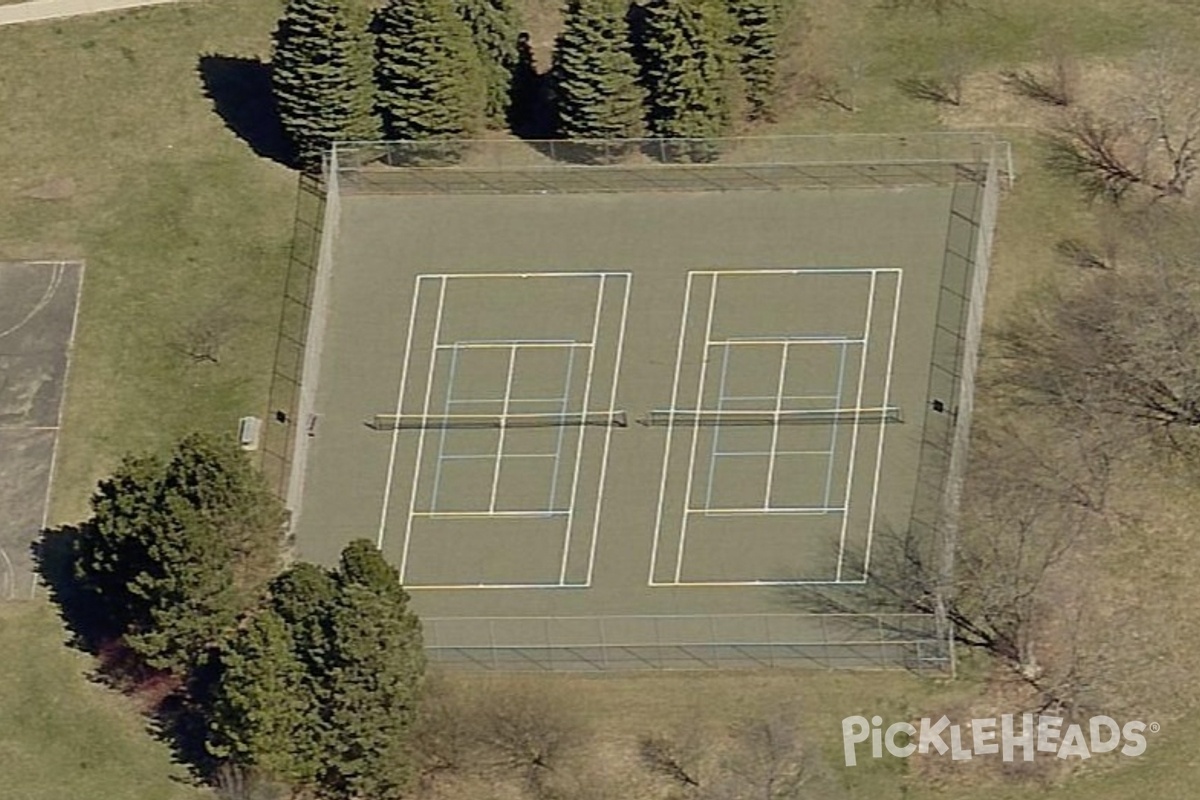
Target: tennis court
<point x="660" y="409"/>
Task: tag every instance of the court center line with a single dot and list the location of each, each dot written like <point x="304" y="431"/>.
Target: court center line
<point x="608" y="431"/>
<point x="662" y="486"/>
<point x="887" y="388"/>
<point x="416" y="480"/>
<point x="687" y="493"/>
<point x="391" y="466"/>
<point x="508" y="382"/>
<point x="783" y="364"/>
<point x="862" y="372"/>
<point x="579" y="439"/>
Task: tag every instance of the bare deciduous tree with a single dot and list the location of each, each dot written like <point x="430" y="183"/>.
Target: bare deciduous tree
<point x="525" y="731"/>
<point x="1120" y="345"/>
<point x="765" y="759"/>
<point x="1148" y="140"/>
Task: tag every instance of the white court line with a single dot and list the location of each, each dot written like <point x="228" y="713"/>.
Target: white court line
<point x="758" y="512"/>
<point x="662" y="486"/>
<point x="559" y="274"/>
<point x="29" y="428"/>
<point x="862" y="372"/>
<point x="587" y="399"/>
<point x="416" y="479"/>
<point x="731" y="584"/>
<point x="391" y="467"/>
<point x="510" y="586"/>
<point x="784" y="340"/>
<point x="62" y="403"/>
<point x="783" y="363"/>
<point x="612" y="405"/>
<point x="722" y="273"/>
<point x="539" y="513"/>
<point x="536" y="513"/>
<point x="506" y="345"/>
<point x="56" y="276"/>
<point x="687" y="492"/>
<point x="508" y="382"/>
<point x="887" y="388"/>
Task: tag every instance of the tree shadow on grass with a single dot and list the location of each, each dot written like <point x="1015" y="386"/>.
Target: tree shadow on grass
<point x="240" y="89"/>
<point x="54" y="557"/>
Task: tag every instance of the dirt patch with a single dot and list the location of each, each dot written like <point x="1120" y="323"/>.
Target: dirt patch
<point x="53" y="189"/>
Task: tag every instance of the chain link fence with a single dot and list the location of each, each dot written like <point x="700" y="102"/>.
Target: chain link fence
<point x="688" y="642"/>
<point x="507" y="166"/>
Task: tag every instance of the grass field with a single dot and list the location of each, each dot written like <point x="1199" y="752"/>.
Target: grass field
<point x="111" y="152"/>
<point x="64" y="736"/>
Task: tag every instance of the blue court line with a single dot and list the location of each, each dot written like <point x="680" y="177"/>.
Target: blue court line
<point x="441" y="455"/>
<point x="833" y="435"/>
<point x="564" y="403"/>
<point x="716" y="442"/>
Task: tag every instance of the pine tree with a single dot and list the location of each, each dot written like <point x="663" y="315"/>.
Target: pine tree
<point x="259" y="715"/>
<point x="755" y="38"/>
<point x="430" y="82"/>
<point x="176" y="549"/>
<point x="321" y="74"/>
<point x="685" y="69"/>
<point x="595" y="77"/>
<point x="494" y="26"/>
<point x="373" y="680"/>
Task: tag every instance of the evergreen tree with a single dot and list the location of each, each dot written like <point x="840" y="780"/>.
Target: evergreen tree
<point x="176" y="549"/>
<point x="321" y="74"/>
<point x="494" y="26"/>
<point x="685" y="69"/>
<point x="373" y="680"/>
<point x="595" y="76"/>
<point x="755" y="39"/>
<point x="259" y="715"/>
<point x="430" y="81"/>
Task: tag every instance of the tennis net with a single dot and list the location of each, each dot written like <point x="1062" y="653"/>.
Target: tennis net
<point x="392" y="422"/>
<point x="688" y="417"/>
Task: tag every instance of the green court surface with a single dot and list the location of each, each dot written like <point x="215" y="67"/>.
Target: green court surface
<point x="605" y="421"/>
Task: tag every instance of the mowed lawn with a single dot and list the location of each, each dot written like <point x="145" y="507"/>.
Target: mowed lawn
<point x="111" y="151"/>
<point x="64" y="736"/>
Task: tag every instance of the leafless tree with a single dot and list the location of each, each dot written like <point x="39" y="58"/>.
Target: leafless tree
<point x="945" y="84"/>
<point x="1054" y="85"/>
<point x="758" y="757"/>
<point x="525" y="731"/>
<point x="765" y="759"/>
<point x="1148" y="140"/>
<point x="204" y="336"/>
<point x="1118" y="345"/>
<point x="676" y="758"/>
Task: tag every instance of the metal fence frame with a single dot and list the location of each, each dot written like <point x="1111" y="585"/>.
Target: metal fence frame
<point x="689" y="642"/>
<point x="508" y="166"/>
